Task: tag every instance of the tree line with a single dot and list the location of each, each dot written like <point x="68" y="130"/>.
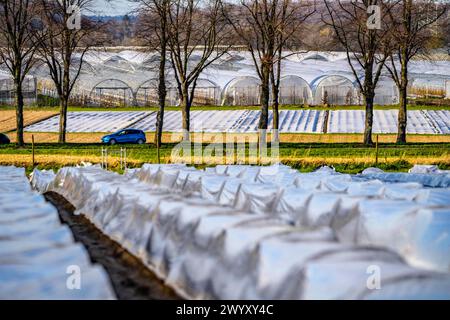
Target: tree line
<point x="189" y="35"/>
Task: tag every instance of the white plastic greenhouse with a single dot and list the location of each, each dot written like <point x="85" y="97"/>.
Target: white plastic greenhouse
<point x="386" y="92"/>
<point x="427" y="86"/>
<point x="334" y="90"/>
<point x="128" y="77"/>
<point x="112" y="92"/>
<point x="117" y="63"/>
<point x="8" y="91"/>
<point x="295" y="90"/>
<point x="241" y="91"/>
<point x="147" y="93"/>
<point x="206" y="92"/>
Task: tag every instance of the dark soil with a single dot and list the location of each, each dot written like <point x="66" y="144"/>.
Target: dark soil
<point x="130" y="278"/>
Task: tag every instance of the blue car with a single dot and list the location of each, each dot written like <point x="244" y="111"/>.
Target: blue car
<point x="125" y="136"/>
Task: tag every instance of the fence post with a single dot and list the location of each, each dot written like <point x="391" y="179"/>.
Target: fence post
<point x="376" y="151"/>
<point x="32" y="149"/>
<point x="121" y="158"/>
<point x="157" y="152"/>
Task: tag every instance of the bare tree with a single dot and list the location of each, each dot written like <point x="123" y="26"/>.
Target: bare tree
<point x="266" y="27"/>
<point x="410" y="25"/>
<point x="363" y="44"/>
<point x="66" y="39"/>
<point x="291" y="16"/>
<point x="194" y="26"/>
<point x="17" y="48"/>
<point x="154" y="31"/>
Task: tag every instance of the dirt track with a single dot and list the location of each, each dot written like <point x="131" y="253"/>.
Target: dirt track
<point x="130" y="279"/>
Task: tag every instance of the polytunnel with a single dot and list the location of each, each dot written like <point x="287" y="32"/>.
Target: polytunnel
<point x="150" y="63"/>
<point x="206" y="93"/>
<point x="294" y="90"/>
<point x="427" y="86"/>
<point x="147" y="93"/>
<point x="86" y="67"/>
<point x="118" y="63"/>
<point x="8" y="90"/>
<point x="386" y="92"/>
<point x="316" y="56"/>
<point x="112" y="92"/>
<point x="334" y="90"/>
<point x="241" y="91"/>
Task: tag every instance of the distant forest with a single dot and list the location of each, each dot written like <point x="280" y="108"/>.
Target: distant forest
<point x="123" y="31"/>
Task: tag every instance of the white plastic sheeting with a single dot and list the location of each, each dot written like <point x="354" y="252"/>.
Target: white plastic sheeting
<point x="232" y="232"/>
<point x="37" y="253"/>
<point x="291" y="121"/>
<point x="385" y="121"/>
<point x="438" y="179"/>
<point x="90" y="121"/>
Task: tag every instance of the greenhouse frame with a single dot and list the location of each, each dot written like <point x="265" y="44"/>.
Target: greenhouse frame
<point x="241" y="91"/>
<point x="334" y="90"/>
<point x="8" y="89"/>
<point x="130" y="78"/>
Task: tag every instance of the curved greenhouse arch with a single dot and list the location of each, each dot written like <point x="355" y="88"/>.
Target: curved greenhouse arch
<point x="243" y="90"/>
<point x="316" y="56"/>
<point x="295" y="90"/>
<point x="207" y="92"/>
<point x="112" y="92"/>
<point x="334" y="90"/>
<point x="86" y="67"/>
<point x="386" y="91"/>
<point x="147" y="93"/>
<point x="119" y="63"/>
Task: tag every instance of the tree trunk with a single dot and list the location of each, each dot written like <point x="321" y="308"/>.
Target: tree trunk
<point x="161" y="96"/>
<point x="369" y="97"/>
<point x="276" y="115"/>
<point x="265" y="97"/>
<point x="64" y="93"/>
<point x="402" y="112"/>
<point x="185" y="112"/>
<point x="64" y="102"/>
<point x="19" y="114"/>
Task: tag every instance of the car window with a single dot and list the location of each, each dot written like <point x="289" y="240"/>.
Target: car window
<point x="121" y="133"/>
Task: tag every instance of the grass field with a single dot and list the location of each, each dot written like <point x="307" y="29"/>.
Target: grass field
<point x="94" y="137"/>
<point x="175" y="108"/>
<point x="303" y="151"/>
<point x="344" y="157"/>
<point x="8" y="118"/>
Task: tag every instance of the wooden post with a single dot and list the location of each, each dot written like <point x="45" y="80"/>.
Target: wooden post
<point x="376" y="151"/>
<point x="158" y="152"/>
<point x="32" y="149"/>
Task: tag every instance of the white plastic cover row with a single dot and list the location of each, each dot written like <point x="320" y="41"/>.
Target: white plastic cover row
<point x="37" y="252"/>
<point x="327" y="198"/>
<point x="385" y="121"/>
<point x="196" y="231"/>
<point x="90" y="121"/>
<point x="291" y="121"/>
